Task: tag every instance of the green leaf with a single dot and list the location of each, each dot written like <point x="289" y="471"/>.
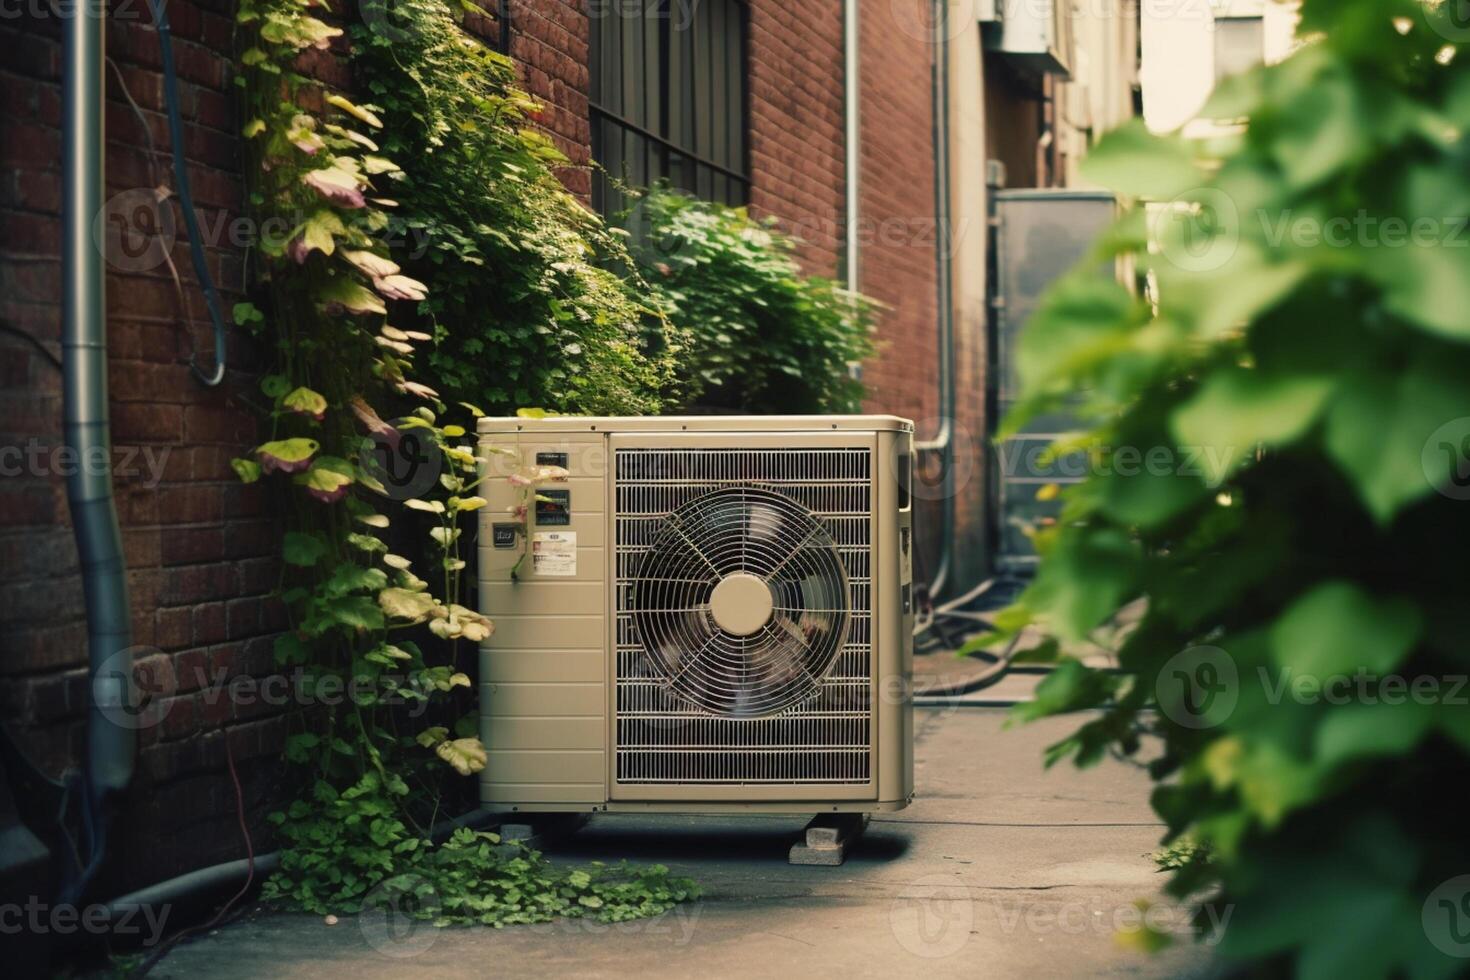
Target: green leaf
<point x="1069" y="686"/>
<point x="287" y="455"/>
<point x="1337" y="629"/>
<point x="403" y="604"/>
<point x="1380" y="426"/>
<point x="1083" y="581"/>
<point x="274" y="385"/>
<point x="304" y="401"/>
<point x="1133" y="161"/>
<point x="245" y="314"/>
<point x="321" y="231"/>
<point x="1237" y="410"/>
<point x="466" y="755"/>
<point x="356" y="612"/>
<point x="328" y="479"/>
<point x="367" y="543"/>
<point x="432" y="736"/>
<point x="342" y="293"/>
<point x="248" y="470"/>
<point x="356" y="111"/>
<point x="1372" y="729"/>
<point x="303" y="550"/>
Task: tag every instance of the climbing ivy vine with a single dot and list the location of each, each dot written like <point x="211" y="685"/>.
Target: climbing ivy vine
<point x="535" y="301"/>
<point x="374" y="636"/>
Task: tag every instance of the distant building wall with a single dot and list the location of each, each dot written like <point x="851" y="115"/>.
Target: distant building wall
<point x="1179" y="52"/>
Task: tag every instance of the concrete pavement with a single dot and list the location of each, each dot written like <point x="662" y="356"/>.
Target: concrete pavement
<point x="998" y="870"/>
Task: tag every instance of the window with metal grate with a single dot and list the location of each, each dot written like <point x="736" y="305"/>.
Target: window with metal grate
<point x="668" y="85"/>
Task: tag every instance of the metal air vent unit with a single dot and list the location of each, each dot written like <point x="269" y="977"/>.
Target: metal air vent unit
<point x="707" y="614"/>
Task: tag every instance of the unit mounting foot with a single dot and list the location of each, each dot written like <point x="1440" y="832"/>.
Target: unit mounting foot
<point x="827" y="838"/>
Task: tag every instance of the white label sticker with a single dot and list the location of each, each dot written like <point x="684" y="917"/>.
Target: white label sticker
<point x="554" y="554"/>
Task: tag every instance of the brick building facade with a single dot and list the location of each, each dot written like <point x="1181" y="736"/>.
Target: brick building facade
<point x="200" y="546"/>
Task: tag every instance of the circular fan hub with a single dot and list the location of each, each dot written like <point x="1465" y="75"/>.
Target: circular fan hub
<point x="742" y="604"/>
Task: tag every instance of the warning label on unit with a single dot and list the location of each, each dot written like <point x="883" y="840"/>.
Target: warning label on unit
<point x="554" y="554"/>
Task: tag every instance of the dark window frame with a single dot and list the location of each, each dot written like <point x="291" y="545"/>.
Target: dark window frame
<point x="1227" y="26"/>
<point x="689" y="151"/>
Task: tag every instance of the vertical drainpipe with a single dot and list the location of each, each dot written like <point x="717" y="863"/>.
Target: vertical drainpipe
<point x="110" y="748"/>
<point x="944" y="440"/>
<point x="852" y="67"/>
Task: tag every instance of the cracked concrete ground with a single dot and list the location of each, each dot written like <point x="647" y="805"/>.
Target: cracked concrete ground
<point x="998" y="870"/>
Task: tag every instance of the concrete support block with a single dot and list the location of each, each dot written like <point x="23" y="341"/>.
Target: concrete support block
<point x="827" y="839"/>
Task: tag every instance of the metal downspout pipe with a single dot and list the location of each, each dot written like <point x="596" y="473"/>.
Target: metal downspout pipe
<point x="944" y="440"/>
<point x="852" y="67"/>
<point x="110" y="747"/>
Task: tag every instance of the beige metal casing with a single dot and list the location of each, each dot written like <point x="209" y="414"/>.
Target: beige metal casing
<point x="548" y="686"/>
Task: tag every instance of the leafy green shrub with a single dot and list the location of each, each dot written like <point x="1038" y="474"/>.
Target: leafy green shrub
<point x="761" y="337"/>
<point x="529" y="306"/>
<point x="355" y="853"/>
<point x="367" y="636"/>
<point x="1304" y="382"/>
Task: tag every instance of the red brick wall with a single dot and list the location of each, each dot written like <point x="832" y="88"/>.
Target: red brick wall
<point x="897" y="207"/>
<point x="549" y="39"/>
<point x="198" y="545"/>
<point x="797" y="134"/>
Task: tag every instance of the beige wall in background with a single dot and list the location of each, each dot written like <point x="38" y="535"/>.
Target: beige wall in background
<point x="1178" y="59"/>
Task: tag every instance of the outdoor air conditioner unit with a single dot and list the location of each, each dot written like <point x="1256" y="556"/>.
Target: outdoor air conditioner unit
<point x="707" y="615"/>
